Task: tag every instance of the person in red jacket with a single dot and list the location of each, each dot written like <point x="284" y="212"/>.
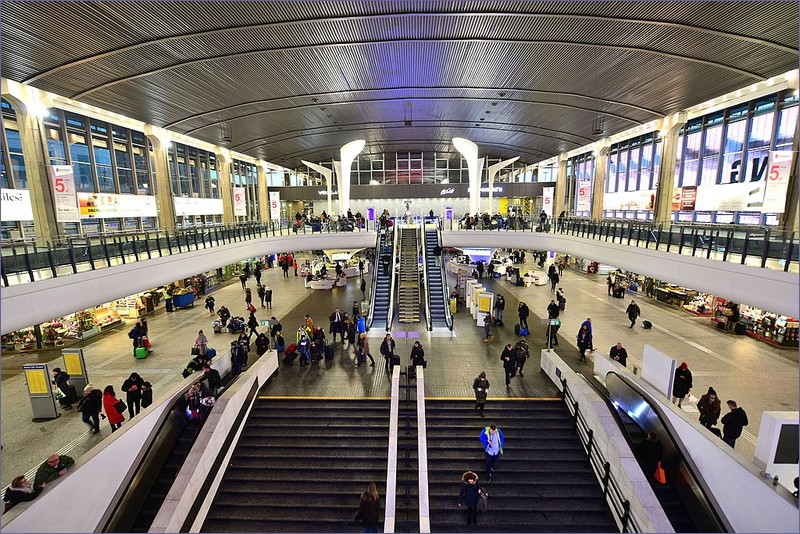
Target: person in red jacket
<point x="115" y="417"/>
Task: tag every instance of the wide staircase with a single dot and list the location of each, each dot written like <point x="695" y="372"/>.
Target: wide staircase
<point x="436" y="291"/>
<point x="301" y="466"/>
<point x="382" y="292"/>
<point x="542" y="482"/>
<point x="408" y="293"/>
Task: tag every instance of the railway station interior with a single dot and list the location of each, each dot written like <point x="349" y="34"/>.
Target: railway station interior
<point x="489" y="182"/>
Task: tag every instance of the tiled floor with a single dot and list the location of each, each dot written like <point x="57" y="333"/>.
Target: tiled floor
<point x="758" y="376"/>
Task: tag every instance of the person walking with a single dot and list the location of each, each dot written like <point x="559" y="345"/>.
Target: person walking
<point x="493" y="441"/>
<point x="499" y="306"/>
<point x="554" y="278"/>
<point x="633" y="312"/>
<point x="136" y="334"/>
<point x="709" y="408"/>
<point x="201" y="343"/>
<point x="268" y="296"/>
<point x="248" y="297"/>
<point x="111" y="407"/>
<point x="584" y="341"/>
<point x="363" y="347"/>
<point x="509" y="364"/>
<point x="243" y="280"/>
<point x="262" y="293"/>
<point x="257" y="273"/>
<point x="487" y="327"/>
<point x="210" y="301"/>
<point x="553" y="311"/>
<point x="418" y="355"/>
<point x="682" y="383"/>
<point x="523" y="311"/>
<point x="469" y="495"/>
<point x="588" y="324"/>
<point x="732" y="423"/>
<point x="369" y="509"/>
<point x="521" y="353"/>
<point x="61" y="381"/>
<point x="252" y="324"/>
<point x="387" y="350"/>
<point x="561" y="299"/>
<point x="336" y="319"/>
<point x="90" y="405"/>
<point x="619" y="354"/>
<point x="651" y="451"/>
<point x="133" y="387"/>
<point x="479" y="267"/>
<point x="363" y="288"/>
<point x="481" y="387"/>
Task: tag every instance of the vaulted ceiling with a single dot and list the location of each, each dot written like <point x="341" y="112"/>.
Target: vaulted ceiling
<point x="297" y="80"/>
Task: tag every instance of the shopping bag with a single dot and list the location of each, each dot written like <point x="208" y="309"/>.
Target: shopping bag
<point x="660" y="475"/>
<point x="146" y="342"/>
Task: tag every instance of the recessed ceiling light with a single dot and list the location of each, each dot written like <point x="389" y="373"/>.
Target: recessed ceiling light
<point x="502" y="93"/>
<point x="482" y="118"/>
<point x="494" y="103"/>
<point x="487" y="111"/>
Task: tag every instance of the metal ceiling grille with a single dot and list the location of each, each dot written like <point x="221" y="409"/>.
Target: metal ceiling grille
<point x="259" y="66"/>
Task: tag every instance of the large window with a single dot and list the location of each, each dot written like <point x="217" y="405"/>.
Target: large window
<point x="691" y="154"/>
<point x="712" y="144"/>
<point x="732" y="151"/>
<point x="759" y="139"/>
<point x="787" y="124"/>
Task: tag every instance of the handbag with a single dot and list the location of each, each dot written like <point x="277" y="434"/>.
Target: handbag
<point x="660" y="475"/>
<point x="120" y="406"/>
<point x="483" y="500"/>
<point x="195" y="351"/>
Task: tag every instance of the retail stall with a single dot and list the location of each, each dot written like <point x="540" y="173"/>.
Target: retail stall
<point x="777" y="330"/>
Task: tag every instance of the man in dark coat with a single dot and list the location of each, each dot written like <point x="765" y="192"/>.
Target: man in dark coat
<point x="651" y="452"/>
<point x="509" y="364"/>
<point x="90" y="405"/>
<point x="619" y="354"/>
<point x="387" y="350"/>
<point x="523" y="312"/>
<point x="212" y="376"/>
<point x="60" y="379"/>
<point x="732" y="423"/>
<point x="553" y="311"/>
<point x="337" y="324"/>
<point x="133" y="387"/>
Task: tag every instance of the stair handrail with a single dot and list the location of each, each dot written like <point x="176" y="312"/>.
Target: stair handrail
<point x="448" y="317"/>
<point x="379" y="249"/>
<point x="390" y="513"/>
<point x="422" y="243"/>
<point x="393" y="286"/>
<point x="422" y="454"/>
<point x="620" y="506"/>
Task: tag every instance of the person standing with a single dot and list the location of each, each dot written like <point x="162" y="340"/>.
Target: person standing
<point x="114" y="416"/>
<point x="633" y="312"/>
<point x="682" y="383"/>
<point x="387" y="350"/>
<point x="499" y="306"/>
<point x="619" y="354"/>
<point x="493" y="441"/>
<point x="369" y="509"/>
<point x="294" y="265"/>
<point x="481" y="387"/>
<point x="262" y="293"/>
<point x="732" y="423"/>
<point x="285" y="267"/>
<point x="90" y="405"/>
<point x="224" y="314"/>
<point x="60" y="379"/>
<point x="210" y="301"/>
<point x="201" y="343"/>
<point x="262" y="344"/>
<point x="709" y="408"/>
<point x="361" y="268"/>
<point x="509" y="364"/>
<point x="610" y="284"/>
<point x="336" y="325"/>
<point x="651" y="452"/>
<point x="553" y="311"/>
<point x="167" y="295"/>
<point x="554" y="278"/>
<point x="147" y="394"/>
<point x="437" y="255"/>
<point x="133" y="387"/>
<point x="417" y="355"/>
<point x="363" y="288"/>
<point x="479" y="267"/>
<point x="584" y="341"/>
<point x="214" y="380"/>
<point x="468" y="496"/>
<point x="268" y="296"/>
<point x="588" y="324"/>
<point x="561" y="299"/>
<point x="523" y="312"/>
<point x="243" y="280"/>
<point x="257" y="273"/>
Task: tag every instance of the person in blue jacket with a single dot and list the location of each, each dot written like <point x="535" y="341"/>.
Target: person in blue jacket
<point x="492" y="439"/>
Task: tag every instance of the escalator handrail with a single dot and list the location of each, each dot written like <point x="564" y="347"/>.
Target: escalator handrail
<point x="392" y="285"/>
<point x="423" y="243"/>
<point x="708" y="495"/>
<point x="378" y="249"/>
<point x="599" y="463"/>
<point x="448" y="317"/>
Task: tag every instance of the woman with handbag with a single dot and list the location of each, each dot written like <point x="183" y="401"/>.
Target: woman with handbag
<point x="468" y="496"/>
<point x="114" y="408"/>
<point x="201" y="344"/>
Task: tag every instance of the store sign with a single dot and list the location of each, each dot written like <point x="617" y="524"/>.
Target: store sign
<point x="324" y="192"/>
<point x="274" y="205"/>
<point x="547" y="200"/>
<point x="104" y="206"/>
<point x="239" y="202"/>
<point x="185" y="207"/>
<point x="780" y="166"/>
<point x="16" y="205"/>
<point x="495" y="189"/>
<point x="64" y="193"/>
<point x="688" y="197"/>
<point x="447" y="191"/>
<point x="584" y="195"/>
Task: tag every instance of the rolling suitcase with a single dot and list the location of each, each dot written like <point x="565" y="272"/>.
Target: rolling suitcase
<point x="290" y="357"/>
<point x="739" y="329"/>
<point x="516" y="329"/>
<point x="140" y="353"/>
<point x="647" y="324"/>
<point x="329" y="353"/>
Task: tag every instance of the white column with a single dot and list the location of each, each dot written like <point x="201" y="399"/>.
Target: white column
<point x="493" y="170"/>
<point x="469" y="150"/>
<point x="327" y="174"/>
<point x="347" y="154"/>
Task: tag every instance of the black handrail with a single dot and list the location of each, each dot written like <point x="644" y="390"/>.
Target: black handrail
<point x="620" y="506"/>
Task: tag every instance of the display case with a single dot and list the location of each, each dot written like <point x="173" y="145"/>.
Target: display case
<point x="105" y="317"/>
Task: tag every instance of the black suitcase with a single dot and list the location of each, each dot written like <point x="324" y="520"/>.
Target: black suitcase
<point x="720" y="326"/>
<point x="290" y="357"/>
<point x="739" y="329"/>
<point x="647" y="324"/>
<point x="716" y="431"/>
<point x="516" y="329"/>
<point x="329" y="353"/>
<point x="395" y="360"/>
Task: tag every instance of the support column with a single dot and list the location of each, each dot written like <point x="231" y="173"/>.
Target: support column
<point x="561" y="185"/>
<point x="328" y="175"/>
<point x="347" y="154"/>
<point x="469" y="150"/>
<point x="599" y="182"/>
<point x="492" y="172"/>
<point x="164" y="195"/>
<point x="263" y="194"/>
<point x="789" y="218"/>
<point x="25" y="103"/>
<point x="670" y="127"/>
<point x="224" y="159"/>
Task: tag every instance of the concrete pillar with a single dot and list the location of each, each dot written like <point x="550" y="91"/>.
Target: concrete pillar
<point x="347" y="154"/>
<point x="164" y="196"/>
<point x="224" y="160"/>
<point x="561" y="184"/>
<point x="599" y="182"/>
<point x="263" y="194"/>
<point x="24" y="102"/>
<point x="469" y="150"/>
<point x="670" y="127"/>
<point x="492" y="172"/>
<point x="328" y="175"/>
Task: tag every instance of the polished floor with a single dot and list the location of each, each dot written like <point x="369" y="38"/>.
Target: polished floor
<point x="759" y="377"/>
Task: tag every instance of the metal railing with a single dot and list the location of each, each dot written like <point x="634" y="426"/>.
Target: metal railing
<point x="375" y="266"/>
<point x="393" y="274"/>
<point x="27" y="260"/>
<point x="729" y="243"/>
<point x="620" y="506"/>
<point x="448" y="317"/>
<point x="422" y="248"/>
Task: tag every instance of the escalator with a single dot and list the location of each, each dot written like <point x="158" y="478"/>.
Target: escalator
<point x="436" y="290"/>
<point x="408" y="292"/>
<point x="683" y="497"/>
<point x="382" y="283"/>
<point x="301" y="465"/>
<point x="542" y="483"/>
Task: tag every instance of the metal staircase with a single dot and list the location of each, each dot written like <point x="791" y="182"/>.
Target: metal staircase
<point x="439" y="306"/>
<point x="408" y="293"/>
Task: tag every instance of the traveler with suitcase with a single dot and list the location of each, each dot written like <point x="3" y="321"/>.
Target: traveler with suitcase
<point x="363" y="352"/>
<point x="523" y="311"/>
<point x="387" y="350"/>
<point x="60" y="379"/>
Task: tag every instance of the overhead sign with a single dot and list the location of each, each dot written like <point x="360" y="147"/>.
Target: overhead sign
<point x="547" y="200"/>
<point x="780" y="166"/>
<point x="16" y="205"/>
<point x="239" y="202"/>
<point x="274" y="205"/>
<point x="66" y="203"/>
<point x="104" y="205"/>
<point x="197" y="206"/>
<point x="584" y="195"/>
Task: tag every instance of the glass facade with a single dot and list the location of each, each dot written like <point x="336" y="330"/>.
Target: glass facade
<point x="580" y="180"/>
<point x="245" y="175"/>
